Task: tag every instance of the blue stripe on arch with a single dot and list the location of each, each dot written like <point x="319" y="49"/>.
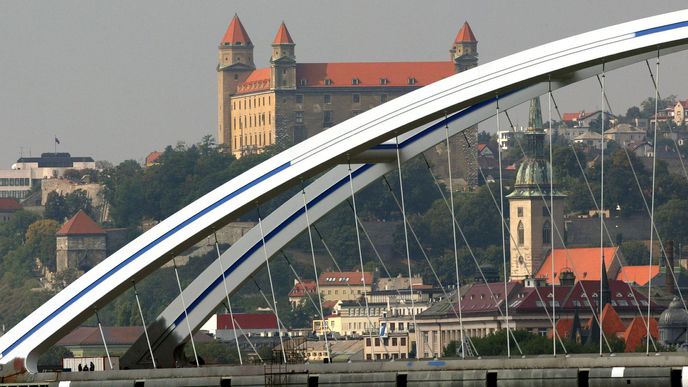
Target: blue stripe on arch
<point x="143" y="251"/>
<point x="667" y="27"/>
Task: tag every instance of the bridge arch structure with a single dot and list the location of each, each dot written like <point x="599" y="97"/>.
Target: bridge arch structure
<point x="367" y="143"/>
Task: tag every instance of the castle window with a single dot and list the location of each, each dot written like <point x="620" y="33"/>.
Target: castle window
<point x="327" y="99"/>
<point x="328" y="81"/>
<point x="298" y="117"/>
<point x="520" y="212"/>
<point x="356" y="98"/>
<point x="355" y="81"/>
<point x="299" y="98"/>
<point x="412" y="81"/>
<point x="236" y="76"/>
<point x="383" y="98"/>
<point x="545" y="211"/>
<point x="521" y="233"/>
<point x="303" y="82"/>
<point x="328" y="117"/>
<point x="384" y="81"/>
<point x="547" y="233"/>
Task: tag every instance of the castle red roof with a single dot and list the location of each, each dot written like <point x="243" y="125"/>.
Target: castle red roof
<point x="152" y="158"/>
<point x="571" y="117"/>
<point x="80" y="224"/>
<point x="247" y="321"/>
<point x="236" y="34"/>
<point x="283" y="36"/>
<point x="355" y="74"/>
<point x="583" y="261"/>
<point x="9" y="205"/>
<point x="637" y="274"/>
<point x="465" y="34"/>
<point x="636" y="332"/>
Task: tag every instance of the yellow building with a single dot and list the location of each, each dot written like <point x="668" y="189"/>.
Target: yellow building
<point x="290" y="101"/>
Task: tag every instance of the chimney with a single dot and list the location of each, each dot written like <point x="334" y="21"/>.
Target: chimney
<point x="668" y="276"/>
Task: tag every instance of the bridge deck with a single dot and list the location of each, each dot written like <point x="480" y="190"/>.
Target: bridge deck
<point x="665" y="369"/>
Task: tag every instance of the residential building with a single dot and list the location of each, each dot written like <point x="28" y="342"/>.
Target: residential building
<point x="571" y="133"/>
<point x="152" y="159"/>
<point x="8" y="206"/>
<point x="529" y="219"/>
<point x="80" y="243"/>
<point x="345" y="285"/>
<point x="680" y="112"/>
<point x="226" y="327"/>
<point x="625" y="134"/>
<point x="398" y="282"/>
<point x="592" y="140"/>
<point x="299" y="294"/>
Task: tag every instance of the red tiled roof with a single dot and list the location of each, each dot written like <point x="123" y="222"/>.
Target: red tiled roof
<point x="236" y="33"/>
<point x="570" y="117"/>
<point x="9" y="205"/>
<point x="80" y="224"/>
<point x="300" y="288"/>
<point x="91" y="336"/>
<point x="684" y="103"/>
<point x="465" y="34"/>
<point x="583" y="261"/>
<point x="611" y="323"/>
<point x="478" y="299"/>
<point x="343" y="278"/>
<point x="283" y="36"/>
<point x="329" y="304"/>
<point x="152" y="157"/>
<point x="247" y="321"/>
<point x="564" y="327"/>
<point x="258" y="80"/>
<point x="635" y="333"/>
<point x="637" y="274"/>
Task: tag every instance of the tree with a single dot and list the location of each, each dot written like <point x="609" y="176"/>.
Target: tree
<point x="635" y="252"/>
<point x="56" y="207"/>
<point x="672" y="220"/>
<point x="40" y="237"/>
<point x="78" y="200"/>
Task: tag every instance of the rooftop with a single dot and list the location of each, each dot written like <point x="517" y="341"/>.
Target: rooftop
<point x="236" y="33"/>
<point x="80" y="224"/>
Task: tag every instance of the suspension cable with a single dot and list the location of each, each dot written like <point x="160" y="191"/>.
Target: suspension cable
<point x="652" y="209"/>
<point x="247" y="339"/>
<point x="143" y="322"/>
<point x="551" y="212"/>
<point x="315" y="269"/>
<point x="186" y="313"/>
<point x="501" y="224"/>
<point x="456" y="254"/>
<point x="272" y="287"/>
<point x="102" y="335"/>
<point x="229" y="303"/>
<point x="408" y="251"/>
<point x="601" y="213"/>
<point x="360" y="258"/>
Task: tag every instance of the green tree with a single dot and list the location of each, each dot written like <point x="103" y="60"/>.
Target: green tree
<point x="40" y="238"/>
<point x="635" y="252"/>
<point x="672" y="220"/>
<point x="56" y="207"/>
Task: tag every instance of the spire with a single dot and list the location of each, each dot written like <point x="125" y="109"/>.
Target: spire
<point x="605" y="297"/>
<point x="535" y="115"/>
<point x="236" y="34"/>
<point x="283" y="36"/>
<point x="465" y="34"/>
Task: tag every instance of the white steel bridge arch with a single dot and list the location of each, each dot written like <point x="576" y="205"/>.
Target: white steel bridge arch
<point x="465" y="99"/>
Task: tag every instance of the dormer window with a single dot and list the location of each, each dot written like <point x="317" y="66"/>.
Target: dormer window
<point x="328" y="81"/>
<point x="303" y="82"/>
<point x="355" y="81"/>
<point x="412" y="81"/>
<point x="384" y="81"/>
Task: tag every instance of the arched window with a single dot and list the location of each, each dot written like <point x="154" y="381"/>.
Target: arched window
<point x="521" y="233"/>
<point x="546" y="232"/>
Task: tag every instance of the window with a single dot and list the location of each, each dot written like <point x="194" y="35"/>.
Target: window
<point x="327" y="99"/>
<point x="377" y="341"/>
<point x="328" y="116"/>
<point x="236" y="76"/>
<point x="368" y="342"/>
<point x="383" y="98"/>
<point x="547" y="232"/>
<point x="356" y="98"/>
<point x="354" y="113"/>
<point x="303" y="82"/>
<point x="298" y="117"/>
<point x="545" y="211"/>
<point x="394" y="341"/>
<point x="384" y="81"/>
<point x="520" y="212"/>
<point x="299" y="98"/>
<point x="412" y="81"/>
<point x="521" y="233"/>
<point x="355" y="81"/>
<point x="328" y="81"/>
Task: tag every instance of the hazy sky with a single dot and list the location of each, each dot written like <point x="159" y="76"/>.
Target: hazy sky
<point x="116" y="80"/>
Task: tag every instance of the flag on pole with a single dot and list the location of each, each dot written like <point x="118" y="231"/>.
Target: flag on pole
<point x="57" y="140"/>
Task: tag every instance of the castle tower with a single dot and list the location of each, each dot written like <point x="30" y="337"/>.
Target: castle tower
<point x="529" y="218"/>
<point x="283" y="60"/>
<point x="235" y="63"/>
<point x="464" y="51"/>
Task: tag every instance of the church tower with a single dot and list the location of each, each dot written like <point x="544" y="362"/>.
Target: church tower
<point x="529" y="218"/>
<point x="235" y="63"/>
<point x="283" y="60"/>
<point x="464" y="51"/>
